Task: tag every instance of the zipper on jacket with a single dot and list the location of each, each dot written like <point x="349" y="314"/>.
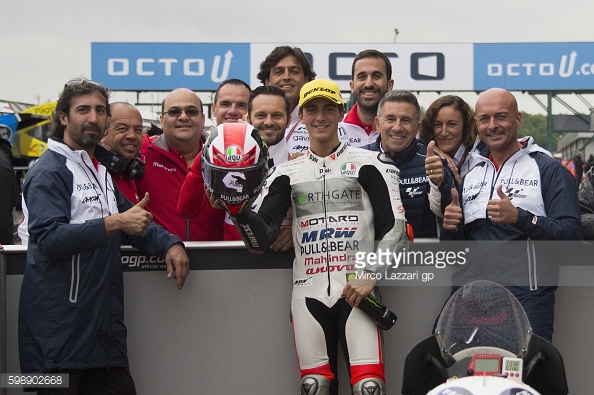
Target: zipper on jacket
<point x="75" y="278"/>
<point x="531" y="253"/>
<point x="492" y="188"/>
<point x="326" y="227"/>
<point x="94" y="173"/>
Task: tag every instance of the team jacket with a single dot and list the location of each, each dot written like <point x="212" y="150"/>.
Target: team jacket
<point x="164" y="175"/>
<point x="357" y="132"/>
<point x="544" y="193"/>
<point x="467" y="161"/>
<point x="416" y="190"/>
<point x="71" y="313"/>
<point x="340" y="205"/>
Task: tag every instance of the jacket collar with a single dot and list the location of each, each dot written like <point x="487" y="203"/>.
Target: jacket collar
<point x="352" y="117"/>
<point x="480" y="150"/>
<point x="58" y="146"/>
<point x="403" y="157"/>
<point x="338" y="152"/>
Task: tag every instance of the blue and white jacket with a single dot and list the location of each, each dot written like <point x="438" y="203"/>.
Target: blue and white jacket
<point x="544" y="193"/>
<point x="71" y="313"/>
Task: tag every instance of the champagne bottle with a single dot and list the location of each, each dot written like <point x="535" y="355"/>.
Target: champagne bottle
<point x="379" y="313"/>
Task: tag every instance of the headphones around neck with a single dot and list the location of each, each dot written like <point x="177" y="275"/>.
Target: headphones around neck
<point x="115" y="163"/>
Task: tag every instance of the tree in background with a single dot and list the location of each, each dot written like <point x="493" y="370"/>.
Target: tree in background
<point x="535" y="125"/>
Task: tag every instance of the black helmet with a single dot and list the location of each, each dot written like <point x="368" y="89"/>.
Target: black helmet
<point x="235" y="164"/>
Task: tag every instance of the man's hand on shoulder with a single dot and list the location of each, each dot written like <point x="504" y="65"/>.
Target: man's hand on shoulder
<point x="133" y="221"/>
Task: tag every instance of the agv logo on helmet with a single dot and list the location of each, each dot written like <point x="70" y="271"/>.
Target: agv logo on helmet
<point x="233" y="154"/>
<point x="235" y="165"/>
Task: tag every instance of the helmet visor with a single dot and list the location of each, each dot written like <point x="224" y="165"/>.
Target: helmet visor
<point x="234" y="186"/>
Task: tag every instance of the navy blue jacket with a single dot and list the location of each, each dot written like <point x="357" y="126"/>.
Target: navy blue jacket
<point x="71" y="312"/>
<point x="544" y="193"/>
<point x="415" y="187"/>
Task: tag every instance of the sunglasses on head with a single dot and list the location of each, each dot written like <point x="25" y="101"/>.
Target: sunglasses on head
<point x="80" y="80"/>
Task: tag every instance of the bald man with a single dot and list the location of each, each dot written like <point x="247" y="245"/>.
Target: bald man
<point x="515" y="195"/>
<point x="122" y="142"/>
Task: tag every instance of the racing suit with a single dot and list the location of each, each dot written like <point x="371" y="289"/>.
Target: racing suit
<point x="340" y="204"/>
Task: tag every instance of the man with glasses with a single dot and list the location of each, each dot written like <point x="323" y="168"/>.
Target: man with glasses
<point x="168" y="158"/>
<point x="71" y="311"/>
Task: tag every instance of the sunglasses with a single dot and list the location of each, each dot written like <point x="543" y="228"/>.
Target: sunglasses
<point x="79" y="81"/>
<point x="176" y="112"/>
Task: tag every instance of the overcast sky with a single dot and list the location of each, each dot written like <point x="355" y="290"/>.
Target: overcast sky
<point x="44" y="44"/>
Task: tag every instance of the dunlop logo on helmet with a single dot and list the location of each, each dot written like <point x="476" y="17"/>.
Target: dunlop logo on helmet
<point x="319" y="89"/>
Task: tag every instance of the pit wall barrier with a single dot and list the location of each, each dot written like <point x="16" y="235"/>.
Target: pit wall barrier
<point x="228" y="330"/>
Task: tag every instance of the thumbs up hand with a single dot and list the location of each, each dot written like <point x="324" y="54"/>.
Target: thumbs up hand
<point x="433" y="165"/>
<point x="137" y="219"/>
<point x="452" y="217"/>
<point x="502" y="211"/>
<point x="430" y="147"/>
<point x="144" y="201"/>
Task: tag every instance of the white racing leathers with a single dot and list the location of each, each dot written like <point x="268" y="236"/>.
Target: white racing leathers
<point x="341" y="204"/>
